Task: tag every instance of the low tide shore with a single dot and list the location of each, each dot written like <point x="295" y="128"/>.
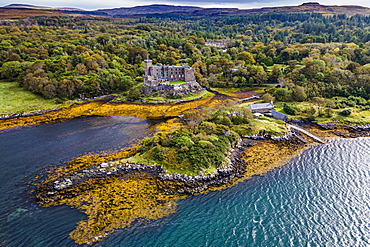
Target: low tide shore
<point x="116" y="195"/>
<point x="104" y="108"/>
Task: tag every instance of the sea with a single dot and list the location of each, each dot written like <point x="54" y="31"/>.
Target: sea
<point x="319" y="198"/>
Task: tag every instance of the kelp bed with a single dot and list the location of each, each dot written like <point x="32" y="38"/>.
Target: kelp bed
<point x="121" y="201"/>
<point x="103" y="109"/>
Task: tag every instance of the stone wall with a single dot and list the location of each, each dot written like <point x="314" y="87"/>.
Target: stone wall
<point x="171" y="90"/>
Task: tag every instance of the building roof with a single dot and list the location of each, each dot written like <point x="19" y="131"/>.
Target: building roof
<point x="260" y="106"/>
<point x="279" y="115"/>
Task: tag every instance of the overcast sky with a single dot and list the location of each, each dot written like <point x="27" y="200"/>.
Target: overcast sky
<point x="242" y="4"/>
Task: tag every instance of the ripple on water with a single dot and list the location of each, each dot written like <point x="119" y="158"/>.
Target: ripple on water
<point x="320" y="198"/>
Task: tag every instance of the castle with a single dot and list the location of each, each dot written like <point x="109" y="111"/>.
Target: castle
<point x="158" y="78"/>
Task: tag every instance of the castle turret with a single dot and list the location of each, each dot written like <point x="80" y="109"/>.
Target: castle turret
<point x="189" y="74"/>
<point x="147" y="65"/>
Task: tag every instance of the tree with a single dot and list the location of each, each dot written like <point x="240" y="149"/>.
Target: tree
<point x="289" y="109"/>
<point x="267" y="97"/>
<point x="11" y="70"/>
<point x="274" y="74"/>
<point x="246" y="57"/>
<point x="311" y="113"/>
<point x="49" y="91"/>
<point x="298" y="94"/>
<point x="320" y="103"/>
<point x="282" y="94"/>
<point x="134" y="93"/>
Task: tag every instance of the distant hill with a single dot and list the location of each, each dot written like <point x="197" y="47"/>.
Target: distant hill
<point x="18" y="13"/>
<point x="148" y="9"/>
<point x="28" y="6"/>
<point x="310" y="7"/>
<point x="159" y="9"/>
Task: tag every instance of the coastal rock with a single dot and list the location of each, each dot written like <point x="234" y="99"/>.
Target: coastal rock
<point x="183" y="183"/>
<point x="354" y="130"/>
<point x="169" y="183"/>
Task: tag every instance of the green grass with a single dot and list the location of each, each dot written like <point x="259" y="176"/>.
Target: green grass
<point x="262" y="125"/>
<point x="194" y="96"/>
<point x="358" y="115"/>
<point x="246" y="104"/>
<point x="268" y="125"/>
<point x="137" y="159"/>
<point x="231" y="91"/>
<point x="176" y="82"/>
<point x="158" y="99"/>
<point x="14" y="99"/>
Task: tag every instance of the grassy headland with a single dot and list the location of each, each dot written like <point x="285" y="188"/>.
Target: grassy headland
<point x="15" y="99"/>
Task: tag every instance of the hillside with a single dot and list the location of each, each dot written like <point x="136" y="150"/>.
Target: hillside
<point x="17" y="13"/>
<point x="148" y="9"/>
<point x="312" y="7"/>
<point x="25" y="10"/>
<point x="28" y="6"/>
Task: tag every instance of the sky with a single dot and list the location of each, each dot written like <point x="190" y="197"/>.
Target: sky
<point x="241" y="4"/>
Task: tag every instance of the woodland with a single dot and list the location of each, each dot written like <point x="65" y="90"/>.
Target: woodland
<point x="305" y="55"/>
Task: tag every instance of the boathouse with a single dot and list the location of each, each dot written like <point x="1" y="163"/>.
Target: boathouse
<point x="279" y="115"/>
<point x="261" y="107"/>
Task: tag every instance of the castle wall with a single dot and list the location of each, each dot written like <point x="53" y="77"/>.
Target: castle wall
<point x="171" y="90"/>
<point x="156" y="79"/>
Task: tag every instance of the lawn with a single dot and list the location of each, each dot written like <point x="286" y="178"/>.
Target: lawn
<point x="358" y="115"/>
<point x="232" y="91"/>
<point x="262" y="125"/>
<point x="176" y="82"/>
<point x="190" y="96"/>
<point x="246" y="104"/>
<point x="268" y="125"/>
<point x="14" y="99"/>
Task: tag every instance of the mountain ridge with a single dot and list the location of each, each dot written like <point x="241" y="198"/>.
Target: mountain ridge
<point x="180" y="10"/>
<point x="30" y="6"/>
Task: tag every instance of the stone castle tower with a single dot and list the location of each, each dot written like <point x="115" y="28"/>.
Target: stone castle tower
<point x="155" y="74"/>
<point x="159" y="77"/>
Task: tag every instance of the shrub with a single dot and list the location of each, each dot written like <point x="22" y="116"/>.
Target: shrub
<point x="182" y="141"/>
<point x="208" y="127"/>
<point x="346" y="112"/>
<point x="289" y="109"/>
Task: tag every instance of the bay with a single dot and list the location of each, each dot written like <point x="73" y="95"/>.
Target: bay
<point x="320" y="198"/>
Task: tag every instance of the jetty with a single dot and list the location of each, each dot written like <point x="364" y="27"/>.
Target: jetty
<point x="307" y="133"/>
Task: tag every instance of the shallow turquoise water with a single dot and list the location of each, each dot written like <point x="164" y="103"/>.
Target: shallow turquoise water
<point x="321" y="198"/>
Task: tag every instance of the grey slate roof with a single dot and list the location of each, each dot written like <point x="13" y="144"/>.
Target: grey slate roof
<point x="261" y="106"/>
<point x="279" y="115"/>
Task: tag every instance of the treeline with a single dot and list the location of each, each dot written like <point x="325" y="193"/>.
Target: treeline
<point x="311" y="54"/>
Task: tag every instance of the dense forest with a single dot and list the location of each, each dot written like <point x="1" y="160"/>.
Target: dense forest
<point x="307" y="55"/>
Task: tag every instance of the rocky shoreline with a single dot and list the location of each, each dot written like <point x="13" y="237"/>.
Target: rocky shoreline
<point x="176" y="183"/>
<point x="353" y="131"/>
<point x="224" y="174"/>
<point x="180" y="183"/>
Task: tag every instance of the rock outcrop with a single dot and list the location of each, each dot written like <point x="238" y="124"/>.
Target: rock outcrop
<point x="165" y="89"/>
